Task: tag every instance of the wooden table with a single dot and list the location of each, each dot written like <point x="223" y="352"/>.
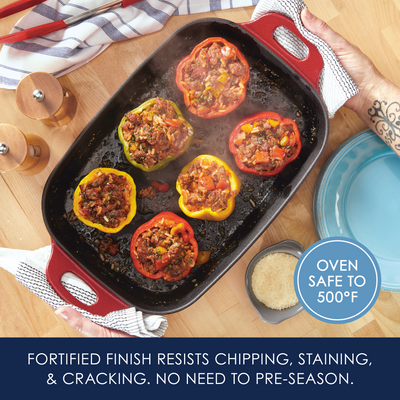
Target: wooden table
<point x="224" y="311"/>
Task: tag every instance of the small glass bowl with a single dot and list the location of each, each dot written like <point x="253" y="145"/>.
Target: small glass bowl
<point x="267" y="314"/>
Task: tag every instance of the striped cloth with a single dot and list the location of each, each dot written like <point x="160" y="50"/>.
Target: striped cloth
<point x="61" y="52"/>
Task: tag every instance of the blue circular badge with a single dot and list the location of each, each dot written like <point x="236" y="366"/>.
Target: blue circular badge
<point x="337" y="280"/>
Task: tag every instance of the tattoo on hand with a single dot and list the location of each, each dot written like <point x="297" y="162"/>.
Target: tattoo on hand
<point x="387" y="121"/>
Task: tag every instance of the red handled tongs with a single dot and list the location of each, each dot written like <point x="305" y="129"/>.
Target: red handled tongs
<point x="42" y="30"/>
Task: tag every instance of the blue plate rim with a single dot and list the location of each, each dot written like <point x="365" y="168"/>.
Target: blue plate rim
<point x="327" y="171"/>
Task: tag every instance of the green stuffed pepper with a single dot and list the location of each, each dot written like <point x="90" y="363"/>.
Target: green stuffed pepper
<point x="154" y="134"/>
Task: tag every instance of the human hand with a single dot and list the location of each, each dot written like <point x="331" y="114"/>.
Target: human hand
<point x="354" y="61"/>
<point x="83" y="325"/>
<point x="378" y="101"/>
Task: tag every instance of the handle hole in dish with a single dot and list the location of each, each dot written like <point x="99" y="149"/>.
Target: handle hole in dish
<point x="290" y="42"/>
<point x="78" y="288"/>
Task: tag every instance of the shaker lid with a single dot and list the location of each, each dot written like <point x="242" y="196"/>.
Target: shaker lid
<point x="39" y="95"/>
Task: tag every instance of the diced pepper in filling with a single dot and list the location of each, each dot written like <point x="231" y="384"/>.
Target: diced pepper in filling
<point x="206" y="184"/>
<point x="266" y="144"/>
<point x="155" y="133"/>
<point x="105" y="200"/>
<point x="163" y="248"/>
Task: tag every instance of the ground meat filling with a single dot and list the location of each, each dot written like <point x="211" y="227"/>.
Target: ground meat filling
<point x="105" y="200"/>
<point x="214" y="78"/>
<point x="206" y="184"/>
<point x="265" y="145"/>
<point x="159" y="243"/>
<point x="148" y="192"/>
<point x="108" y="246"/>
<point x="155" y="133"/>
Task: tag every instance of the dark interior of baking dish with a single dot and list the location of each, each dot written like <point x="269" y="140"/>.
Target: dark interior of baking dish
<point x="272" y="86"/>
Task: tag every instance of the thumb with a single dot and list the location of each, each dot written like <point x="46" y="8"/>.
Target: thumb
<point x="321" y="29"/>
<point x="83" y="325"/>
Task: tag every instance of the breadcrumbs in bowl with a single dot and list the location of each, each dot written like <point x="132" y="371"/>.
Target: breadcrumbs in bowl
<point x="273" y="280"/>
<point x="270" y="282"/>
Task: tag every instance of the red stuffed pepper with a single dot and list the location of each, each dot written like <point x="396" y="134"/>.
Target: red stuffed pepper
<point x="164" y="248"/>
<point x="213" y="78"/>
<point x="264" y="143"/>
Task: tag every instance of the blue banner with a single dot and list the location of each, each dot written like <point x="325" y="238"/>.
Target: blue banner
<point x="211" y="367"/>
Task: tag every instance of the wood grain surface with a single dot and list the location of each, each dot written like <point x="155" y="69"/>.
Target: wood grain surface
<point x="224" y="311"/>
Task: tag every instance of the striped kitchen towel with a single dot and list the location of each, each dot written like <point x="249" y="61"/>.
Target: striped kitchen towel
<point x="66" y="50"/>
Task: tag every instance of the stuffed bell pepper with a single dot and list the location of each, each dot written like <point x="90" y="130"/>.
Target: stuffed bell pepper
<point x="164" y="248"/>
<point x="213" y="78"/>
<point x="264" y="143"/>
<point x="105" y="199"/>
<point x="154" y="134"/>
<point x="208" y="188"/>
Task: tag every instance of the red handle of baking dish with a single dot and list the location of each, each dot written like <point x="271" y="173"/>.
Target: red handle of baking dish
<point x="263" y="28"/>
<point x="59" y="264"/>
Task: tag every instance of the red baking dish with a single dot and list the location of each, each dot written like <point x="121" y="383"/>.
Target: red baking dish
<point x="279" y="82"/>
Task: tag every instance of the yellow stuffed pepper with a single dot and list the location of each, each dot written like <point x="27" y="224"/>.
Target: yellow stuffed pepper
<point x="208" y="188"/>
<point x="105" y="199"/>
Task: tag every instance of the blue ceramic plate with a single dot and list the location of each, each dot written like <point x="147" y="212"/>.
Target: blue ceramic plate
<point x="357" y="195"/>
